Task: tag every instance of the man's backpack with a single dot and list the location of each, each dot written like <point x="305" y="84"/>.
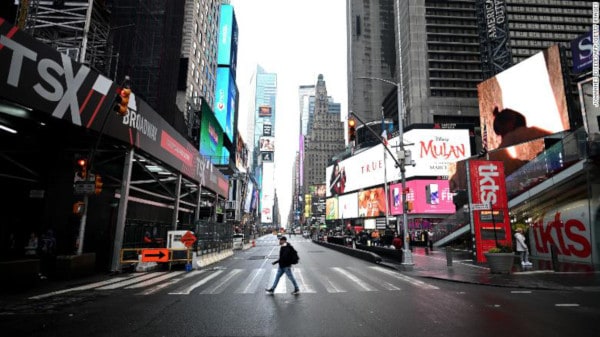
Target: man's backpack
<point x="295" y="257"/>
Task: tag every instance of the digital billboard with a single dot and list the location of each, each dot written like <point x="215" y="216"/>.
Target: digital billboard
<point x="268" y="192"/>
<point x="228" y="39"/>
<point x="427" y="197"/>
<point x="241" y="154"/>
<point x="225" y="100"/>
<point x="211" y="135"/>
<point x="582" y="49"/>
<point x="371" y="203"/>
<point x="432" y="151"/>
<point x="265" y="111"/>
<point x="331" y="209"/>
<point x="524" y="102"/>
<point x="348" y="206"/>
<point x="267" y="144"/>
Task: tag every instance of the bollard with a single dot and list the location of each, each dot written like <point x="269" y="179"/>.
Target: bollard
<point x="449" y="256"/>
<point x="554" y="257"/>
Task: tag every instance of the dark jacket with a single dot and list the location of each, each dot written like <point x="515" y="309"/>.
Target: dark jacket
<point x="285" y="256"/>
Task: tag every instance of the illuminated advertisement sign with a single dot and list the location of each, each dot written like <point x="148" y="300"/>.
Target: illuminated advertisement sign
<point x="524" y="102"/>
<point x="225" y="98"/>
<point x="331" y="209"/>
<point x="582" y="50"/>
<point x="371" y="203"/>
<point x="427" y="196"/>
<point x="268" y="192"/>
<point x="432" y="151"/>
<point x="267" y="144"/>
<point x="348" y="206"/>
<point x="228" y="39"/>
<point x="264" y="111"/>
<point x="487" y="187"/>
<point x="211" y="135"/>
<point x="267" y="130"/>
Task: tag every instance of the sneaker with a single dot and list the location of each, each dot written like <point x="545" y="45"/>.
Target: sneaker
<point x="528" y="264"/>
<point x="296" y="292"/>
<point x="270" y="291"/>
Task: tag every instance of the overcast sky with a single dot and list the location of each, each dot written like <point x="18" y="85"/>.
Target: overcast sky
<point x="297" y="40"/>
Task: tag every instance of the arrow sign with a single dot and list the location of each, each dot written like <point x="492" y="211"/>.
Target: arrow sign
<point x="155" y="255"/>
<point x="188" y="239"/>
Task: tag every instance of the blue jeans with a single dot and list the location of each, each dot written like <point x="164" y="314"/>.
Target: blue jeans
<point x="288" y="272"/>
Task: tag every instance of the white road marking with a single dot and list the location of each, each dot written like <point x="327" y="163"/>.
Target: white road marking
<point x="521" y="292"/>
<point x="170" y="282"/>
<point x="154" y="280"/>
<point x="218" y="288"/>
<point x="355" y="279"/>
<point x="402" y="277"/>
<point x="305" y="287"/>
<point x="251" y="282"/>
<point x="130" y="281"/>
<point x="84" y="287"/>
<point x="188" y="290"/>
<point x="566" y="305"/>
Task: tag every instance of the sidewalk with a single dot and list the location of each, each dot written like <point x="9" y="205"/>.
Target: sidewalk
<point x="434" y="265"/>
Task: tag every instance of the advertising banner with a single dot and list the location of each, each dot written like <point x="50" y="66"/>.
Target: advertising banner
<point x="487" y="189"/>
<point x="211" y="136"/>
<point x="567" y="227"/>
<point x="331" y="209"/>
<point x="264" y="111"/>
<point x="432" y="150"/>
<point x="267" y="156"/>
<point x="371" y="203"/>
<point x="228" y="39"/>
<point x="267" y="130"/>
<point x="524" y="102"/>
<point x="225" y="98"/>
<point x="39" y="77"/>
<point x="267" y="144"/>
<point x="582" y="49"/>
<point x="427" y="197"/>
<point x="348" y="206"/>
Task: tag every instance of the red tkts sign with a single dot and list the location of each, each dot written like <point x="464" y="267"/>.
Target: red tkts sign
<point x="488" y="186"/>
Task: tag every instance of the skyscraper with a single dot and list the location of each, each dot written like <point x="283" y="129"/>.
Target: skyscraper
<point x="325" y="138"/>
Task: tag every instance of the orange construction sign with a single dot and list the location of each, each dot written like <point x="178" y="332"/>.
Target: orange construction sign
<point x="155" y="255"/>
<point x="188" y="239"/>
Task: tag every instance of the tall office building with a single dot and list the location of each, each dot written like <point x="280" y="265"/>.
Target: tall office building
<point x="371" y="53"/>
<point x="305" y="92"/>
<point x="198" y="60"/>
<point x="440" y="51"/>
<point x="325" y="138"/>
<point x="262" y="141"/>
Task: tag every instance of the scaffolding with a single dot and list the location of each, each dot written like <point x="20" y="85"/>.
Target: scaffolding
<point x="79" y="29"/>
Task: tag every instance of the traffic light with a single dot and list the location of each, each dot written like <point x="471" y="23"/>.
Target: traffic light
<point x="122" y="101"/>
<point x="82" y="163"/>
<point x="351" y="129"/>
<point x="98" y="181"/>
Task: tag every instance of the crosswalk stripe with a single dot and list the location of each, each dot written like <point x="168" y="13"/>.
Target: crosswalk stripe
<point x="305" y="287"/>
<point x="218" y="288"/>
<point x="251" y="282"/>
<point x="154" y="280"/>
<point x="161" y="286"/>
<point x="83" y="287"/>
<point x="188" y="290"/>
<point x="130" y="281"/>
<point x="402" y="277"/>
<point x="386" y="285"/>
<point x="331" y="286"/>
<point x="354" y="279"/>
